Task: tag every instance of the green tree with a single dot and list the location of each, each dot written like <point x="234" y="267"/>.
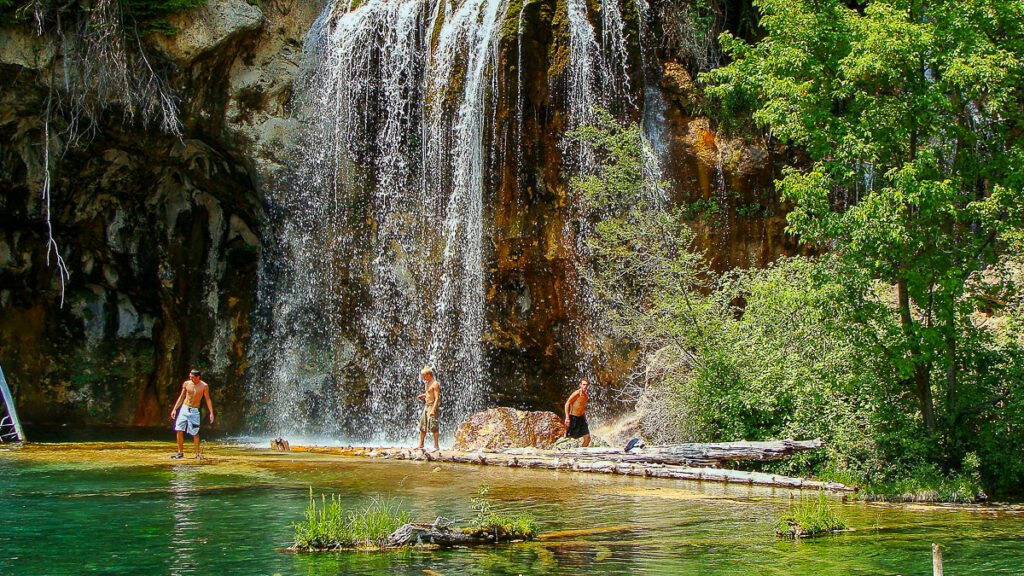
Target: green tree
<point x="911" y="115"/>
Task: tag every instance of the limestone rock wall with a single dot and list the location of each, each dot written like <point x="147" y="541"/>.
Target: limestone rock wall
<point x="162" y="236"/>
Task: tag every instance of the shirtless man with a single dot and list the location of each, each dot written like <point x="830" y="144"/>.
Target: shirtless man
<point x="193" y="391"/>
<point x="576" y="413"/>
<point x="431" y="397"/>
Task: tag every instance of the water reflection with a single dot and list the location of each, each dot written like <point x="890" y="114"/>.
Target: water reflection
<point x="184" y="498"/>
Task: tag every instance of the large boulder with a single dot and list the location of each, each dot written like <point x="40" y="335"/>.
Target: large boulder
<point x="500" y="428"/>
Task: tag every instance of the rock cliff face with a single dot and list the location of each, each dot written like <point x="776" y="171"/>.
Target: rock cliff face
<point x="162" y="236"/>
<point x="167" y="238"/>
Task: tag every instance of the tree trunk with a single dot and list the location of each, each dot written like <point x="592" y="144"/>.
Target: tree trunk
<point x="601" y="461"/>
<point x="951" y="371"/>
<point x="922" y="368"/>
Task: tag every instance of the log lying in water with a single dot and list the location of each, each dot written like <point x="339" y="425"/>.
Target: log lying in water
<point x="600" y="461"/>
<point x="697" y="454"/>
<point x="415" y="534"/>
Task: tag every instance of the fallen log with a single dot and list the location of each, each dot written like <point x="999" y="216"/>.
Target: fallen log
<point x="678" y="462"/>
<point x="693" y="454"/>
<point x="441" y="536"/>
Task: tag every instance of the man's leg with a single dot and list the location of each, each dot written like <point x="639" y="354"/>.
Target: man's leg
<point x="423" y="434"/>
<point x="586" y="440"/>
<point x="196" y="440"/>
<point x="435" y="441"/>
<point x="181" y="440"/>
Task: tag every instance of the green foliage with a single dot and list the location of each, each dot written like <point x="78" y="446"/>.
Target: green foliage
<point x="519" y="526"/>
<point x="329" y="526"/>
<point x="927" y="483"/>
<point x="911" y="115"/>
<point x="803" y="348"/>
<point x="808" y="518"/>
<point x="700" y="208"/>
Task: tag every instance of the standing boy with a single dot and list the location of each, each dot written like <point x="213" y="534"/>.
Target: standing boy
<point x="576" y="413"/>
<point x="431" y="398"/>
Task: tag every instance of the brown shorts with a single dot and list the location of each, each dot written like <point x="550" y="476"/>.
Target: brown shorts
<point x="428" y="423"/>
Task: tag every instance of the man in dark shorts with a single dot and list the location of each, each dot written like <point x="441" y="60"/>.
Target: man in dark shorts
<point x="576" y="413"/>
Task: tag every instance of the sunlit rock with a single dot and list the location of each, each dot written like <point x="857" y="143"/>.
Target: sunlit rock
<point x="204" y="29"/>
<point x="499" y="428"/>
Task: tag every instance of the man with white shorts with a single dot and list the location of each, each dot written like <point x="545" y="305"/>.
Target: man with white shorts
<point x="193" y="391"/>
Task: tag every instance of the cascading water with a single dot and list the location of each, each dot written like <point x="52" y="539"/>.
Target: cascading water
<point x="380" y="264"/>
<point x="382" y="228"/>
<point x="455" y="158"/>
<point x="347" y="306"/>
<point x="598" y="77"/>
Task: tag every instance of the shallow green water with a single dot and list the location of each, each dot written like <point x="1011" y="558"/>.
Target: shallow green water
<point x="118" y="513"/>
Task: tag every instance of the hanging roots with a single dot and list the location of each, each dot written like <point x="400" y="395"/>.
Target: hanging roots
<point x="101" y="64"/>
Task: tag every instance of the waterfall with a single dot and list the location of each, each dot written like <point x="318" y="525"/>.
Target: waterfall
<point x="455" y="158"/>
<point x="382" y="227"/>
<point x="598" y="75"/>
<point x="349" y="280"/>
<point x="584" y="75"/>
<point x="380" y="260"/>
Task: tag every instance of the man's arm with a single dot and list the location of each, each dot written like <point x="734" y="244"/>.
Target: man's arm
<point x="209" y="402"/>
<point x="437" y="400"/>
<point x="181" y="398"/>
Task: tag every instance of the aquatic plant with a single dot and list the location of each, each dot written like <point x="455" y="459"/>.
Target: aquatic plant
<point x="328" y="525"/>
<point x="505" y="525"/>
<point x="809" y="518"/>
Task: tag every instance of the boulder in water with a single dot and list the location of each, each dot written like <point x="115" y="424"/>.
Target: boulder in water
<point x="499" y="428"/>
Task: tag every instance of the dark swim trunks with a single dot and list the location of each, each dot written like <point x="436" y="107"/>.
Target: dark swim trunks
<point x="577" y="427"/>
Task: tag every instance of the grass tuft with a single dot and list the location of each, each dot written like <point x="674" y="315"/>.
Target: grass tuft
<point x="329" y="526"/>
<point x="504" y="525"/>
<point x="810" y="518"/>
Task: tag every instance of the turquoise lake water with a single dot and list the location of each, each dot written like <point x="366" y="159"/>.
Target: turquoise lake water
<point x="125" y="509"/>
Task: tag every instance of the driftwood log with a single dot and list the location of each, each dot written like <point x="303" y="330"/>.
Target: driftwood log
<point x="439" y="534"/>
<point x="694" y="454"/>
<point x="680" y="462"/>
